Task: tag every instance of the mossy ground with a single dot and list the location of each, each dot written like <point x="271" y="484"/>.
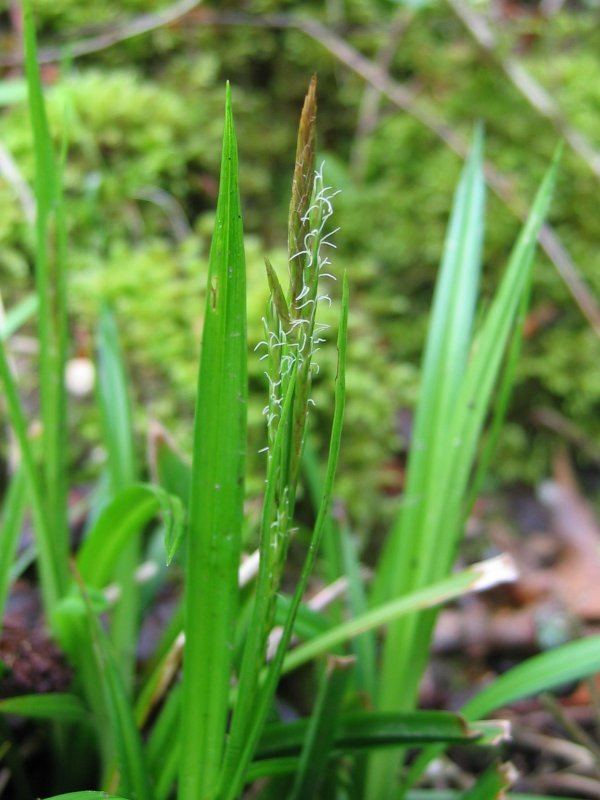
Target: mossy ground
<point x="143" y="121"/>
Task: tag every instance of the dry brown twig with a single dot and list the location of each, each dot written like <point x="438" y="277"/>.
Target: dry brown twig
<point x="368" y="114"/>
<point x="114" y="34"/>
<point x="535" y="94"/>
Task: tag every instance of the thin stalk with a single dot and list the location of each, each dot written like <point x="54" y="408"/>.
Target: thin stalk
<point x="50" y="272"/>
<point x="52" y="581"/>
<point x="235" y="783"/>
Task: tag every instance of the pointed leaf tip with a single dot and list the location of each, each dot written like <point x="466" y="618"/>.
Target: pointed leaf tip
<point x="228" y="109"/>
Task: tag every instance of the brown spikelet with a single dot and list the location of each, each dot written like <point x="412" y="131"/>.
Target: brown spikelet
<point x="302" y="185"/>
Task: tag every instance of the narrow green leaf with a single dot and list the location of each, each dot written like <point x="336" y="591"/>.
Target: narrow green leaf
<point x="117" y="424"/>
<point x="308" y="623"/>
<point x="412" y="543"/>
<point x="50" y="271"/>
<point x="216" y="502"/>
<point x="56" y="706"/>
<point x="433" y="794"/>
<point x="51" y="567"/>
<point x="170" y="468"/>
<point x="501" y="402"/>
<point x="115" y="404"/>
<point x="366" y="730"/>
<point x="313" y="477"/>
<point x="487" y="353"/>
<point x="164" y="733"/>
<point x="492" y="785"/>
<point x="436" y="534"/>
<point x="123" y="518"/>
<point x="18" y="315"/>
<point x="321" y="728"/>
<point x="364" y="646"/>
<point x="480" y="380"/>
<point x="85" y="796"/>
<point x="11" y="524"/>
<point x="134" y="779"/>
<point x="471" y="579"/>
<point x="271" y="768"/>
<point x="541" y="673"/>
<point x="444" y="364"/>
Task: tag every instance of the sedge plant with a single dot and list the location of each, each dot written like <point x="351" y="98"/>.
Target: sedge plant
<point x="203" y="719"/>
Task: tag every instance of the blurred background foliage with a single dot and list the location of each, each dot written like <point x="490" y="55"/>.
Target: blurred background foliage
<point x="143" y="121"/>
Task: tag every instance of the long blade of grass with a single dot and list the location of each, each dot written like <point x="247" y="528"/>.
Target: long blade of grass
<point x="18" y="315"/>
<point x="371" y="729"/>
<point x="169" y="468"/>
<point x="487" y="354"/>
<point x="86" y="796"/>
<point x="50" y="271"/>
<point x="410" y="642"/>
<point x="405" y="561"/>
<point x="492" y="785"/>
<point x="133" y="773"/>
<point x="117" y="424"/>
<point x="332" y="556"/>
<point x="341" y="559"/>
<point x="216" y="503"/>
<point x="54" y="706"/>
<point x="320" y="731"/>
<point x="364" y="646"/>
<point x="432" y="794"/>
<point x="501" y="403"/>
<point x="444" y="364"/>
<point x="480" y="380"/>
<point x="271" y="768"/>
<point x="541" y="673"/>
<point x="463" y="429"/>
<point x="11" y="524"/>
<point x="163" y="737"/>
<point x="359" y="732"/>
<point x="115" y="404"/>
<point x="51" y="570"/>
<point x="475" y="578"/>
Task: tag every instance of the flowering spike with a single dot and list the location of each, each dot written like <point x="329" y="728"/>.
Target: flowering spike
<point x="302" y="187"/>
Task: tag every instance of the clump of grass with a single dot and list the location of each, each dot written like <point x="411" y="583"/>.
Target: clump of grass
<point x="202" y="721"/>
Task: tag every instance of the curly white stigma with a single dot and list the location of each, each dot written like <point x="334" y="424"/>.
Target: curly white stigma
<point x="297" y="344"/>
